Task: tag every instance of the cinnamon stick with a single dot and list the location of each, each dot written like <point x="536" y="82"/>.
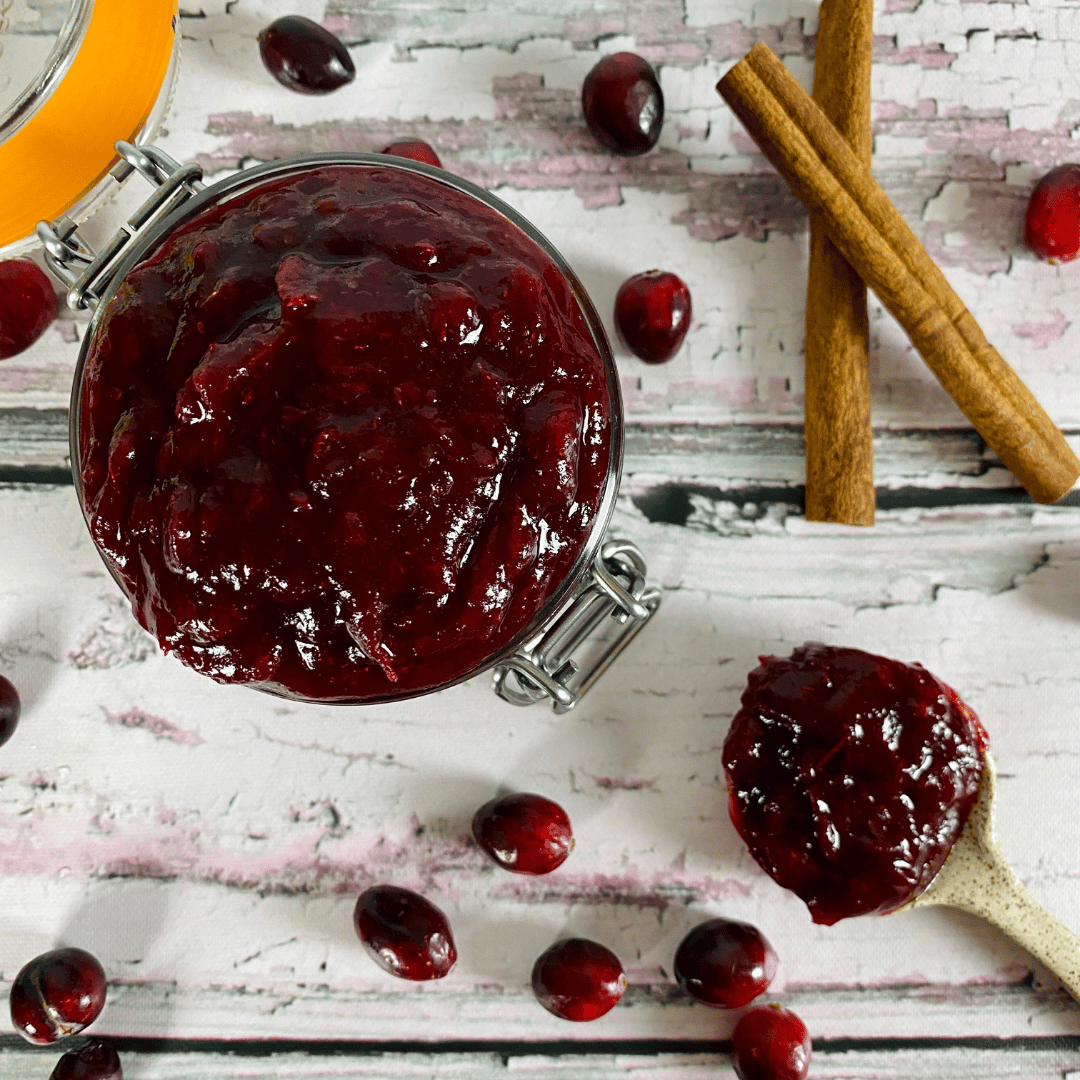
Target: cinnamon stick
<point x="839" y="434"/>
<point x="827" y="175"/>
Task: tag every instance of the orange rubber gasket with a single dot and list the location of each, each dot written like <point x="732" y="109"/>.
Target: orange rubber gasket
<point x="66" y="148"/>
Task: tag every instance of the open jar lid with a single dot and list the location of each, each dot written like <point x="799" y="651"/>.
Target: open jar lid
<point x="73" y="80"/>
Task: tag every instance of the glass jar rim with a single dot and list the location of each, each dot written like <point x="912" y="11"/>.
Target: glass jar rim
<point x="251" y="179"/>
<point x="113" y="77"/>
<point x="56" y="65"/>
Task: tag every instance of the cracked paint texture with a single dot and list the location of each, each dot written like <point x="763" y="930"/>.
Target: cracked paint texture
<point x="208" y="842"/>
<point x="143" y="784"/>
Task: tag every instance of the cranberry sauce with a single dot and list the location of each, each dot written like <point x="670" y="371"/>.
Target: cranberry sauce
<point x="343" y="435"/>
<point x="849" y="776"/>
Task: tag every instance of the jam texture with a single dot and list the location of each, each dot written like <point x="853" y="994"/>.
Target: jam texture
<point x="850" y="776"/>
<point x="342" y="435"/>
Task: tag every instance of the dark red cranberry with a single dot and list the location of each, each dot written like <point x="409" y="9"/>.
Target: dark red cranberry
<point x="770" y="1043"/>
<point x="1052" y="222"/>
<point x="652" y="314"/>
<point x="405" y="934"/>
<point x="523" y="832"/>
<point x="725" y="963"/>
<point x="10" y="708"/>
<point x="850" y="776"/>
<point x="416" y="149"/>
<point x="94" y="1061"/>
<point x="578" y="979"/>
<point x="58" y="993"/>
<point x="27" y="305"/>
<point x="304" y="56"/>
<point x="623" y="103"/>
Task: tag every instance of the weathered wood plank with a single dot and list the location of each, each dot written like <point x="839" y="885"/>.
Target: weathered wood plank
<point x="710" y="458"/>
<point x="961" y="130"/>
<point x="208" y="842"/>
<point x="924" y="1062"/>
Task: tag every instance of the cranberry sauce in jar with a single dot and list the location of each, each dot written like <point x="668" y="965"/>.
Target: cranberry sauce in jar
<point x="343" y="436"/>
<point x="850" y="776"/>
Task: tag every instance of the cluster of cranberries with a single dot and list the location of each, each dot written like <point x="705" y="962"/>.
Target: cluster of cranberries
<point x="723" y="963"/>
<point x="623" y="107"/>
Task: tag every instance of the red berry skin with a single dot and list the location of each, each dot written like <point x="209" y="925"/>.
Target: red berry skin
<point x="725" y="963"/>
<point x="652" y="314"/>
<point x="623" y="104"/>
<point x="770" y="1043"/>
<point x="57" y="994"/>
<point x="10" y="709"/>
<point x="524" y="833"/>
<point x="1052" y="221"/>
<point x="416" y="149"/>
<point x="404" y="933"/>
<point x="305" y="56"/>
<point x="27" y="305"/>
<point x="94" y="1061"/>
<point x="578" y="979"/>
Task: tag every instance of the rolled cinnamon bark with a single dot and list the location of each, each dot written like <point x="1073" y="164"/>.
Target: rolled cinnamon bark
<point x="839" y="434"/>
<point x="827" y="175"/>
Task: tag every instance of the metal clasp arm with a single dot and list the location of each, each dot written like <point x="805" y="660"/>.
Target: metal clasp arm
<point x="613" y="589"/>
<point x="86" y="272"/>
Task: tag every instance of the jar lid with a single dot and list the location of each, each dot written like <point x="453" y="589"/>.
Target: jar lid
<point x="102" y="83"/>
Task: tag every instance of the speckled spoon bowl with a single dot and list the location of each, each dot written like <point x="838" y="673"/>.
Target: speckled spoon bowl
<point x="976" y="877"/>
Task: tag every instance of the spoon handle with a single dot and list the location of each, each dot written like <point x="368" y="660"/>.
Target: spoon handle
<point x="988" y="887"/>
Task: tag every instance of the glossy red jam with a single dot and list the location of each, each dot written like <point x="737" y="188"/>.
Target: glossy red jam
<point x="343" y="435"/>
<point x="849" y="776"/>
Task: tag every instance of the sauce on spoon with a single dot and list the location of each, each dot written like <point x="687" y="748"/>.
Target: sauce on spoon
<point x="865" y="785"/>
<point x="850" y="776"/>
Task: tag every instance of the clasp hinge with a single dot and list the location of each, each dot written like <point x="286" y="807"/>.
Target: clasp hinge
<point x="87" y="273"/>
<point x="613" y="591"/>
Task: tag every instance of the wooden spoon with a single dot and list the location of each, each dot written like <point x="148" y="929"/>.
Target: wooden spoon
<point x="976" y="877"/>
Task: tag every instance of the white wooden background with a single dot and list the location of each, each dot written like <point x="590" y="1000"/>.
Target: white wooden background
<point x="208" y="843"/>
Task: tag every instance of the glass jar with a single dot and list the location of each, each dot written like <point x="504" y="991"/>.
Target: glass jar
<point x="82" y="75"/>
<point x="251" y="299"/>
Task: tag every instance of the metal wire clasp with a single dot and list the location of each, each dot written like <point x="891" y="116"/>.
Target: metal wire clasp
<point x="86" y="272"/>
<point x="613" y="590"/>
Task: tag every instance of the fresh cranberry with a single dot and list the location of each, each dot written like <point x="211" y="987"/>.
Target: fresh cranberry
<point x="56" y="994"/>
<point x="405" y="934"/>
<point x="523" y="832"/>
<point x="578" y="979"/>
<point x="416" y="149"/>
<point x="10" y="708"/>
<point x="770" y="1043"/>
<point x="304" y="56"/>
<point x="850" y="776"/>
<point x="1052" y="222"/>
<point x="27" y="305"/>
<point x="623" y="103"/>
<point x="94" y="1061"/>
<point x="725" y="963"/>
<point x="652" y="314"/>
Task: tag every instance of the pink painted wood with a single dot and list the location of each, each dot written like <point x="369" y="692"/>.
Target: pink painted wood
<point x="208" y="842"/>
